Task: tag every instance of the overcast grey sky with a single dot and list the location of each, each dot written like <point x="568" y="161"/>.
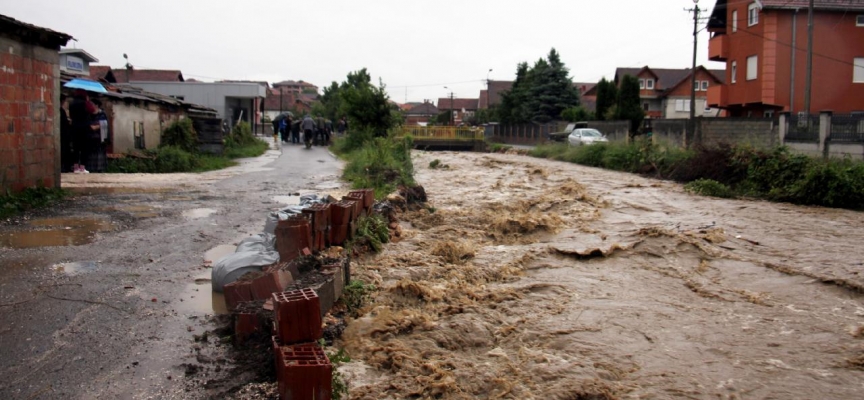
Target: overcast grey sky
<point x="418" y="46"/>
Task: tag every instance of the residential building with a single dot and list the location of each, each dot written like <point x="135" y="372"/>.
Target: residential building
<point x="232" y="101"/>
<point x="462" y="109"/>
<point x="297" y="87"/>
<point x="30" y="106"/>
<point x="280" y="100"/>
<point x="421" y="114"/>
<point x="763" y="44"/>
<point x="132" y="75"/>
<point x="76" y="62"/>
<point x="665" y="92"/>
<point x="587" y="95"/>
<point x="491" y="97"/>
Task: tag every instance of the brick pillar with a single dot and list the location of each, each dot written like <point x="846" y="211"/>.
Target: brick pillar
<point x="825" y="132"/>
<point x="783" y="126"/>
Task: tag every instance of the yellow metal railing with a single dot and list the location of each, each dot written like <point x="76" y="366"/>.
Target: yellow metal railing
<point x="443" y="133"/>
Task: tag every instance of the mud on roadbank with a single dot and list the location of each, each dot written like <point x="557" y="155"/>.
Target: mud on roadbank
<point x="535" y="279"/>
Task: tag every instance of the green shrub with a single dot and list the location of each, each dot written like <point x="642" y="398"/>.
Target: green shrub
<point x="356" y="294"/>
<point x="180" y="134"/>
<point x="372" y="231"/>
<point x="30" y="198"/>
<point x="588" y="155"/>
<point x="240" y="136"/>
<point x="382" y="164"/>
<point x="173" y="159"/>
<point x="834" y="183"/>
<point x="708" y="187"/>
<point x="434" y="163"/>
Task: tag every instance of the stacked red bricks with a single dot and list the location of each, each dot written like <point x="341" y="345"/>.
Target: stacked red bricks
<point x="319" y="215"/>
<point x="292" y="236"/>
<point x="302" y="368"/>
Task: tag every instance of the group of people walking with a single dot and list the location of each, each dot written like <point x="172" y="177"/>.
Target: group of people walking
<point x="318" y="129"/>
<point x="83" y="134"/>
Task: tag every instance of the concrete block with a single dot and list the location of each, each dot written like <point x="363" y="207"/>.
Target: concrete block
<point x="297" y="315"/>
<point x="236" y="293"/>
<point x="304" y="372"/>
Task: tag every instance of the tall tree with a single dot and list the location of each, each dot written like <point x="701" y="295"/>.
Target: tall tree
<point x="629" y="107"/>
<point x="512" y="109"/>
<point x="366" y="105"/>
<point x="552" y="89"/>
<point x="331" y="102"/>
<point x="607" y="96"/>
<point x="540" y="93"/>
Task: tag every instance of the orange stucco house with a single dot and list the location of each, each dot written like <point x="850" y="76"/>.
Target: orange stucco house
<point x="764" y="46"/>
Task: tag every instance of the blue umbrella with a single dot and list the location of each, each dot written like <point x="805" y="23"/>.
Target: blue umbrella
<point x="90" y="86"/>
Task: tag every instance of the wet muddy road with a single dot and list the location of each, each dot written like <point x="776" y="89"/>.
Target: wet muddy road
<point x="534" y="279"/>
<point x="103" y="296"/>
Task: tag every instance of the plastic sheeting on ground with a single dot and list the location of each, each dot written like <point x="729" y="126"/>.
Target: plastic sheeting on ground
<point x="232" y="267"/>
<point x="305" y="201"/>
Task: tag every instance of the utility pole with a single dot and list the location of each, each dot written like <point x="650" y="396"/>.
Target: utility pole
<point x="808" y="84"/>
<point x="692" y="131"/>
<point x="452" y="120"/>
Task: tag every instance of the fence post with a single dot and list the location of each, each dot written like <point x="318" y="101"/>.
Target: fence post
<point x="825" y="132"/>
<point x="783" y="126"/>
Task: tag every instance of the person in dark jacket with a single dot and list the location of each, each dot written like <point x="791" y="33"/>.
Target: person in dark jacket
<point x="96" y="160"/>
<point x="67" y="152"/>
<point x="81" y="111"/>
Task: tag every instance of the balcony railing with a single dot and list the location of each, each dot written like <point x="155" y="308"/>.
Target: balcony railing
<point x="718" y="48"/>
<point x="717" y="96"/>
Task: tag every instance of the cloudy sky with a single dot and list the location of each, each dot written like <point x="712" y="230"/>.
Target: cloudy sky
<point x="416" y="47"/>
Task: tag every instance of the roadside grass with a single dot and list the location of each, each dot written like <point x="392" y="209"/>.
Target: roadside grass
<point x="379" y="163"/>
<point x="728" y="171"/>
<point x="12" y="204"/>
<point x="176" y="154"/>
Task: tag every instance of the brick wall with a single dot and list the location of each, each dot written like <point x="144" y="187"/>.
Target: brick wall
<point x="29" y="110"/>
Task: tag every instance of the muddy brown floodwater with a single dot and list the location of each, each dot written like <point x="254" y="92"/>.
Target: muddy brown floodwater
<point x="533" y="279"/>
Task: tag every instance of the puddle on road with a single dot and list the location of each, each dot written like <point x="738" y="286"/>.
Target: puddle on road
<point x="215" y="254"/>
<point x="136" y="211"/>
<point x="88" y="191"/>
<point x="75" y="268"/>
<point x="198" y="213"/>
<point x="199" y="298"/>
<point x="64" y="232"/>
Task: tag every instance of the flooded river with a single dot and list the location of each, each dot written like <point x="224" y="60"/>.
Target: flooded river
<point x="533" y="279"/>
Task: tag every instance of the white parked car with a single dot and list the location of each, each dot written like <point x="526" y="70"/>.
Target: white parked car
<point x="586" y="136"/>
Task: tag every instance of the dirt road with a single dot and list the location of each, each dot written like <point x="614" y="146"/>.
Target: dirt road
<point x="107" y="295"/>
<point x="534" y="279"/>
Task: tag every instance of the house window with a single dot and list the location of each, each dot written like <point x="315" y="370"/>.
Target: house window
<point x="735" y="21"/>
<point x="859" y="21"/>
<point x="682" y="105"/>
<point x="641" y="84"/>
<point x="696" y="86"/>
<point x="138" y="134"/>
<point x="649" y="84"/>
<point x="734" y="71"/>
<point x="752" y="67"/>
<point x="704" y="86"/>
<point x="769" y="114"/>
<point x="645" y="106"/>
<point x="858" y="74"/>
<point x="752" y="14"/>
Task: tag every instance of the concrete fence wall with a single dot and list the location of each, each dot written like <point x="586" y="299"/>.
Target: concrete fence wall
<point x="839" y="136"/>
